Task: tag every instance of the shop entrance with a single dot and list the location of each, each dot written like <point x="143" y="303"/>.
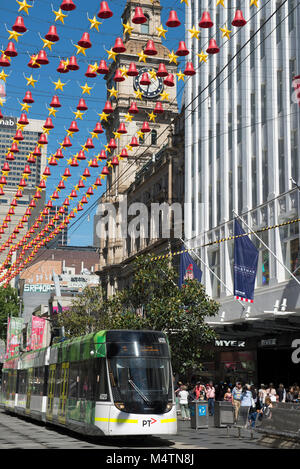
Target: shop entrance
<point x="276" y="366"/>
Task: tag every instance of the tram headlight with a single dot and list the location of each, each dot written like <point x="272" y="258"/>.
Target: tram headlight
<point x="120" y="405"/>
<point x="169" y="405"/>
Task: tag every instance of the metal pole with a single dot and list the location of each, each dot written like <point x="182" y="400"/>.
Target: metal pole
<point x="267" y="247"/>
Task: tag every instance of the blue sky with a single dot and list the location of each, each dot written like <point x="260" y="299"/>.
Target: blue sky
<point x="38" y="21"/>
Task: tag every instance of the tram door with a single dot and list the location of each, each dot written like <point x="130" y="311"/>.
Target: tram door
<point x="50" y="391"/>
<point x="29" y="389"/>
<point x="63" y="393"/>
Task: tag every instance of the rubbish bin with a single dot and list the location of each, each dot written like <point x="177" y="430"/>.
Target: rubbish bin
<point x="224" y="414"/>
<point x="199" y="414"/>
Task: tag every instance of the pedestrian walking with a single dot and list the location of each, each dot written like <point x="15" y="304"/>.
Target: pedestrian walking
<point x="262" y="393"/>
<point x="183" y="395"/>
<point x="199" y="391"/>
<point x="281" y="392"/>
<point x="228" y="395"/>
<point x="236" y="399"/>
<point x="210" y="396"/>
<point x="271" y="392"/>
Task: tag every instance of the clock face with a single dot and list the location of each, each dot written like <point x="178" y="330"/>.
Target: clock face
<point x="153" y="90"/>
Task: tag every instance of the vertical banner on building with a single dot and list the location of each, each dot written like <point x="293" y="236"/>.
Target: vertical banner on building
<point x="14" y="336"/>
<point x="37" y="332"/>
<point x="188" y="269"/>
<point x="245" y="265"/>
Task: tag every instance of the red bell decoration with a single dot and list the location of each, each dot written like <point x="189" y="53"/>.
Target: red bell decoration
<point x="150" y="48"/>
<point x="112" y="144"/>
<point x="103" y="155"/>
<point x="98" y="182"/>
<point x="67" y="5"/>
<point x="108" y="108"/>
<point x="206" y="21"/>
<point x="173" y="21"/>
<point x="124" y="153"/>
<point x="74" y="193"/>
<point x="115" y="161"/>
<point x="62" y="67"/>
<point x="3" y="180"/>
<point x="19" y="25"/>
<point x="212" y="47"/>
<point x="145" y="128"/>
<point x="89" y="143"/>
<point x="134" y="142"/>
<point x="14" y="148"/>
<point x="158" y="108"/>
<point x="28" y="98"/>
<point x="67" y="173"/>
<point x="85" y="41"/>
<point x="105" y="11"/>
<point x="4" y="62"/>
<point x="67" y="142"/>
<point x="162" y="71"/>
<point x="19" y="136"/>
<point x="52" y="161"/>
<point x="59" y="154"/>
<point x="66" y="202"/>
<point x="81" y="155"/>
<point x="118" y="76"/>
<point x="5" y="167"/>
<point x="122" y="128"/>
<point x="139" y="17"/>
<point x="23" y="119"/>
<point x="86" y="173"/>
<point x="82" y="105"/>
<point x="48" y="124"/>
<point x="102" y="68"/>
<point x="52" y="34"/>
<point x="90" y="73"/>
<point x="47" y="171"/>
<point x="73" y="127"/>
<point x="239" y="19"/>
<point x="182" y="49"/>
<point x="145" y="80"/>
<point x="31" y="159"/>
<point x="10" y="157"/>
<point x="79" y="208"/>
<point x="37" y="151"/>
<point x="98" y="128"/>
<point x="73" y="65"/>
<point x="169" y="81"/>
<point x="43" y="140"/>
<point x="94" y="163"/>
<point x="42" y="58"/>
<point x="189" y="69"/>
<point x="61" y="185"/>
<point x="55" y="195"/>
<point x="27" y="169"/>
<point x="55" y="102"/>
<point x="10" y="50"/>
<point x="119" y="46"/>
<point x="132" y="70"/>
<point x="133" y="109"/>
<point x="81" y="184"/>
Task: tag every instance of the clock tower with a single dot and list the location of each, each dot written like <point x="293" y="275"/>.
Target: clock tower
<point x="131" y="91"/>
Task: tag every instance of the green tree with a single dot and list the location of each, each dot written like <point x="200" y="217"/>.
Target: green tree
<point x="9" y="306"/>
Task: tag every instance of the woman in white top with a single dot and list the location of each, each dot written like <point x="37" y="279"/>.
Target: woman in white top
<point x="183" y="402"/>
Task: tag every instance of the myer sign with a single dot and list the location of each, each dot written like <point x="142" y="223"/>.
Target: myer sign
<point x="230" y="343"/>
<point x="8" y="123"/>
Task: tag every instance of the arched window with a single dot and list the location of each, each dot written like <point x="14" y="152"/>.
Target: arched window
<point x="145" y="26"/>
<point x="153" y="137"/>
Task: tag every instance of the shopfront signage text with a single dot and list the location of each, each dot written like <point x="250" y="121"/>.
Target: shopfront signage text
<point x="296" y="352"/>
<point x="230" y="343"/>
<point x="268" y="342"/>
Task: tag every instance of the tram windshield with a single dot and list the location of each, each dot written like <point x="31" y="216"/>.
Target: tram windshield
<point x="141" y="384"/>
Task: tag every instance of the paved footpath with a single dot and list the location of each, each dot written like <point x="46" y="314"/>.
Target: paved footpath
<point x="20" y="433"/>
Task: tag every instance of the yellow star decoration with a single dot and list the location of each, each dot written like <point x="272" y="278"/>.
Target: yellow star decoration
<point x="140" y="134"/>
<point x="107" y="148"/>
<point x="94" y="23"/>
<point x="161" y="31"/>
<point x="3" y="76"/>
<point x="52" y="111"/>
<point x="152" y="116"/>
<point x="59" y="16"/>
<point x="111" y="54"/>
<point x="1" y="101"/>
<point x="226" y="32"/>
<point x="128" y="117"/>
<point x="117" y="135"/>
<point x="59" y="85"/>
<point x="124" y="71"/>
<point x="80" y="50"/>
<point x="138" y="94"/>
<point x="185" y="1"/>
<point x="202" y="57"/>
<point x="152" y="74"/>
<point x="180" y="75"/>
<point x="47" y="44"/>
<point x="113" y="92"/>
<point x="14" y="35"/>
<point x="142" y="57"/>
<point x="25" y="107"/>
<point x="220" y="2"/>
<point x="254" y="2"/>
<point x="24" y="6"/>
<point x="78" y="114"/>
<point x="103" y="116"/>
<point x="94" y="135"/>
<point x="127" y="28"/>
<point x="173" y="57"/>
<point x="30" y="81"/>
<point x="165" y="96"/>
<point x="194" y="32"/>
<point x="86" y="89"/>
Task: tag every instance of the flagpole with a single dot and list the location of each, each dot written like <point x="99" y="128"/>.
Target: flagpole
<point x="267" y="247"/>
<point x="207" y="266"/>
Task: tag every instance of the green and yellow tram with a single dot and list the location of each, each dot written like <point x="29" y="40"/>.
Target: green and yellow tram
<point x="106" y="383"/>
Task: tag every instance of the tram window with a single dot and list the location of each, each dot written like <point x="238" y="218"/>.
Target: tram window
<point x="57" y="381"/>
<point x="73" y="380"/>
<point x="86" y="383"/>
<point x="22" y="382"/>
<point x="38" y="381"/>
<point x="102" y="392"/>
